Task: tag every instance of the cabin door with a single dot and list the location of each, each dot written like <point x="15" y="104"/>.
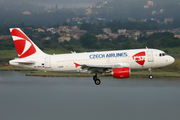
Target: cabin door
<point x="150" y="56"/>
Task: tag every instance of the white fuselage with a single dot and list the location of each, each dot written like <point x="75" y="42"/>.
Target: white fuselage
<point x="153" y="58"/>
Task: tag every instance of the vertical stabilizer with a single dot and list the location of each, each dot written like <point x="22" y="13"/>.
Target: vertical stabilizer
<point x="24" y="46"/>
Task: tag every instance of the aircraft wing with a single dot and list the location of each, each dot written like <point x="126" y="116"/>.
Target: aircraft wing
<point x="101" y="68"/>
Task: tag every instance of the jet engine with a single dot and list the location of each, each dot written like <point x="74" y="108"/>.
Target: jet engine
<point x="121" y="72"/>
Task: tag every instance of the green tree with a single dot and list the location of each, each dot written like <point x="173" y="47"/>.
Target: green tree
<point x="88" y="40"/>
<point x="47" y="43"/>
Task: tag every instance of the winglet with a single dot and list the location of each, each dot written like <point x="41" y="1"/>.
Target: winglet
<point x="77" y="65"/>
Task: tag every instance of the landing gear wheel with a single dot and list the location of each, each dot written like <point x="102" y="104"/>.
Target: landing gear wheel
<point x="97" y="82"/>
<point x="150" y="76"/>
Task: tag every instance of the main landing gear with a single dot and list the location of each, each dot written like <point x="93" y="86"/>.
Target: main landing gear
<point x="150" y="75"/>
<point x="96" y="79"/>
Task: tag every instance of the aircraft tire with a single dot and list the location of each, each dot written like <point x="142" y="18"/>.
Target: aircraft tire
<point x="97" y="81"/>
<point x="150" y="76"/>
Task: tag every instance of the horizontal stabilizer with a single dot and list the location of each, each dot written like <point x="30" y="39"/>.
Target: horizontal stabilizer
<point x="26" y="62"/>
<point x="20" y="61"/>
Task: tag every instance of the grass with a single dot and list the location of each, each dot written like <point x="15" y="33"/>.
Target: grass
<point x="158" y="73"/>
<point x="14" y="69"/>
<point x="175" y="52"/>
<point x="54" y="74"/>
<point x="133" y="73"/>
<point x="6" y="55"/>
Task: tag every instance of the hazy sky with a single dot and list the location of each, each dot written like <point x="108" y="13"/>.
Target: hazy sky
<point x="64" y="3"/>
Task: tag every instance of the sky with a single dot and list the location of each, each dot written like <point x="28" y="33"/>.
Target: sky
<point x="64" y="3"/>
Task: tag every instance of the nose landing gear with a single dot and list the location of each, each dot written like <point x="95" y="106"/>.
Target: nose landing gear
<point x="150" y="75"/>
<point x="96" y="79"/>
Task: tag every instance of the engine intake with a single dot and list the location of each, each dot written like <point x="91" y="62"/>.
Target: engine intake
<point x="121" y="72"/>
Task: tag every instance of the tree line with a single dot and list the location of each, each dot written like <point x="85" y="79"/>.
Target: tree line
<point x="96" y="27"/>
<point x="90" y="42"/>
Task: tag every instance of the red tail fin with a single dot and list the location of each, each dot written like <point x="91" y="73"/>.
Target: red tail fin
<point x="24" y="46"/>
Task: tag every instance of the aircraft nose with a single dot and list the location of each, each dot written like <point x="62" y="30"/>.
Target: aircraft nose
<point x="171" y="60"/>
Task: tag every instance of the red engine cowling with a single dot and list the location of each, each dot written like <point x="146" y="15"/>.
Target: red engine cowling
<point x="121" y="72"/>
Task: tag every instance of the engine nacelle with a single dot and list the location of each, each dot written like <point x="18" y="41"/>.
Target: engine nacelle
<point x="121" y="72"/>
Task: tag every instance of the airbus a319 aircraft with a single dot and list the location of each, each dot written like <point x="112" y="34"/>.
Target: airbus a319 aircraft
<point x="118" y="63"/>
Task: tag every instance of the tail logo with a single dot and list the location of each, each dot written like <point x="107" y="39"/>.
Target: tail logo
<point x="23" y="44"/>
<point x="139" y="58"/>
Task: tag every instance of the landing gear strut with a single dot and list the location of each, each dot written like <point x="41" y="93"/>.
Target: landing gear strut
<point x="96" y="79"/>
<point x="150" y="75"/>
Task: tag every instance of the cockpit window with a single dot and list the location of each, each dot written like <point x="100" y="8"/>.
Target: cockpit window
<point x="162" y="54"/>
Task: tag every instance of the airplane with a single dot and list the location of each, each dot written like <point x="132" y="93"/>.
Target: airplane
<point x="117" y="63"/>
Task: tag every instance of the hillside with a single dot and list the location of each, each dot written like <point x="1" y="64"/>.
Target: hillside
<point x="124" y="10"/>
<point x="137" y="9"/>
